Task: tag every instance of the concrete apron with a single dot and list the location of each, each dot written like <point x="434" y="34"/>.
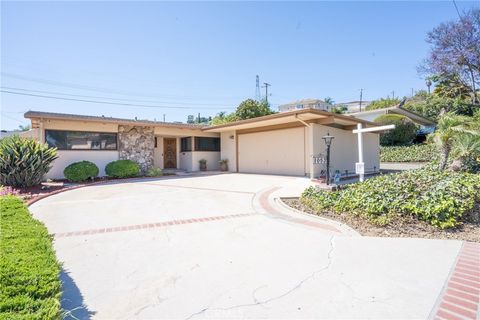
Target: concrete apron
<point x="270" y="263"/>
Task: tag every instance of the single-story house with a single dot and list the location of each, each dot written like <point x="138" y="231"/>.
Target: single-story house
<point x="288" y="143"/>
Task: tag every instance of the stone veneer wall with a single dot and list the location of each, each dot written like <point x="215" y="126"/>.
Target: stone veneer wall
<point x="137" y="143"/>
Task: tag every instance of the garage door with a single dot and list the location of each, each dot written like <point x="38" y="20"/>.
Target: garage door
<point x="272" y="152"/>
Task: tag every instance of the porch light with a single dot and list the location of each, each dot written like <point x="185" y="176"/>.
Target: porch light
<point x="328" y="139"/>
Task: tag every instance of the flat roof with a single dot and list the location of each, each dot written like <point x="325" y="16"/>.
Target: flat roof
<point x="302" y="116"/>
<point x="399" y="110"/>
<point x="103" y="119"/>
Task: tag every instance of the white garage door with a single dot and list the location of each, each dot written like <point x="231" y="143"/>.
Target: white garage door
<point x="272" y="152"/>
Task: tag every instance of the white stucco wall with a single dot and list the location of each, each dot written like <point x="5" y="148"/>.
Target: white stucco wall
<point x="185" y="162"/>
<point x="344" y="149"/>
<point x="67" y="157"/>
<point x="228" y="149"/>
<point x="189" y="161"/>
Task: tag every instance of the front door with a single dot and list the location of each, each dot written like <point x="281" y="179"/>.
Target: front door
<point x="170" y="153"/>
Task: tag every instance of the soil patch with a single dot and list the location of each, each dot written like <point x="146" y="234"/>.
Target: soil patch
<point x="401" y="226"/>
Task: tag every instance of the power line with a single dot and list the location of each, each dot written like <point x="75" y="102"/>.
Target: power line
<point x="456" y="8"/>
<point x="12" y="118"/>
<point x="111" y="98"/>
<point x="103" y="90"/>
<point x="102" y="102"/>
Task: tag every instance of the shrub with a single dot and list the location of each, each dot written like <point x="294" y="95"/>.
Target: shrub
<point x="24" y="162"/>
<point x="438" y="197"/>
<point x="423" y="152"/>
<point x="122" y="169"/>
<point x="382" y="103"/>
<point x="404" y="132"/>
<point x="81" y="171"/>
<point x="154" y="172"/>
<point x="29" y="271"/>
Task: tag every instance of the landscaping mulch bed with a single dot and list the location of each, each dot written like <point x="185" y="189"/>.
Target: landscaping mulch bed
<point x="406" y="227"/>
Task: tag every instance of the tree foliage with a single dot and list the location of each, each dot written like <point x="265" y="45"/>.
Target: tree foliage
<point x="247" y="109"/>
<point x="455" y="53"/>
<point x="382" y="103"/>
<point x="404" y="132"/>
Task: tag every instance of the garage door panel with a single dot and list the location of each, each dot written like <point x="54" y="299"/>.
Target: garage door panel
<point x="272" y="152"/>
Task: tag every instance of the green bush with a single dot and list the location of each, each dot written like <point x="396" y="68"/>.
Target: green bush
<point x="424" y="152"/>
<point x="29" y="272"/>
<point x="382" y="103"/>
<point x="438" y="197"/>
<point x="122" y="169"/>
<point x="404" y="132"/>
<point x="154" y="172"/>
<point x="24" y="162"/>
<point x="81" y="171"/>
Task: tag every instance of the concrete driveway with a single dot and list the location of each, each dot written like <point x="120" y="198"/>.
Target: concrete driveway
<point x="220" y="246"/>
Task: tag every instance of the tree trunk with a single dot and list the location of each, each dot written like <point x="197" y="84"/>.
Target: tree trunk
<point x="444" y="156"/>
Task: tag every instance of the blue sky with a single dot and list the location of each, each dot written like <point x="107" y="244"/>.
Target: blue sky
<point x="203" y="57"/>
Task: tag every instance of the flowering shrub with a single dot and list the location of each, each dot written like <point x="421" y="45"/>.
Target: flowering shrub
<point x="440" y="198"/>
<point x="8" y="191"/>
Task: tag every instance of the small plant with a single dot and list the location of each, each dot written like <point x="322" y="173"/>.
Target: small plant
<point x="122" y="169"/>
<point x="223" y="164"/>
<point x="81" y="171"/>
<point x="203" y="164"/>
<point x="154" y="172"/>
<point x="8" y="191"/>
<point x="24" y="161"/>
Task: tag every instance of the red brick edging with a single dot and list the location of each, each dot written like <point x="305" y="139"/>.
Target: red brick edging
<point x="265" y="204"/>
<point x="150" y="225"/>
<point x="460" y="298"/>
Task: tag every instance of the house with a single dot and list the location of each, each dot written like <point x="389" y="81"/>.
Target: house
<point x="282" y="143"/>
<point x="371" y="115"/>
<point x="305" y="104"/>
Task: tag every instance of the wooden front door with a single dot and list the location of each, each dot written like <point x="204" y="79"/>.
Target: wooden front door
<point x="169" y="153"/>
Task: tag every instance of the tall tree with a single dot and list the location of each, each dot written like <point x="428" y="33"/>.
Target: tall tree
<point x="251" y="109"/>
<point x="455" y="52"/>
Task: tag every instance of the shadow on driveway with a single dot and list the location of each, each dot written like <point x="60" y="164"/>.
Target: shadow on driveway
<point x="72" y="300"/>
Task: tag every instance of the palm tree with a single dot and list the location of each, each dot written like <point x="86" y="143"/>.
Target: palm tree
<point x="450" y="126"/>
<point x="464" y="147"/>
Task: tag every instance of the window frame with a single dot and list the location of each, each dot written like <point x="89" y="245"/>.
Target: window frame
<point x="181" y="144"/>
<point x="98" y="132"/>
<point x="196" y="144"/>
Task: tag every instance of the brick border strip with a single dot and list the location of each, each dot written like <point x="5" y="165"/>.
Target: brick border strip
<point x="150" y="225"/>
<point x="264" y="202"/>
<point x="460" y="298"/>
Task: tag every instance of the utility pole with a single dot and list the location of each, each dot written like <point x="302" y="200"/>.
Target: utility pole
<point x="361" y="97"/>
<point x="258" y="95"/>
<point x="266" y="85"/>
<point x="412" y="92"/>
<point x="393" y="95"/>
<point x="199" y="117"/>
<point x="164" y="117"/>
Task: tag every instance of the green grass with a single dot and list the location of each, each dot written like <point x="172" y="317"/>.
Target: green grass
<point x="415" y="153"/>
<point x="29" y="271"/>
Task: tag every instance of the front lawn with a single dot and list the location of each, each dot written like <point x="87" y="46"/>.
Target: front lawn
<point x="439" y="200"/>
<point x="29" y="271"/>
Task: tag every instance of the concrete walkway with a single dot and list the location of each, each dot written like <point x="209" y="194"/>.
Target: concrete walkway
<point x="222" y="246"/>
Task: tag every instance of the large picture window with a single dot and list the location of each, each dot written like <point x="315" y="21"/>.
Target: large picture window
<point x="81" y="140"/>
<point x="207" y="144"/>
<point x="186" y="144"/>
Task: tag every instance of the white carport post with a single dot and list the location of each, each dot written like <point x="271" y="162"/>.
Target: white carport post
<point x="360" y="165"/>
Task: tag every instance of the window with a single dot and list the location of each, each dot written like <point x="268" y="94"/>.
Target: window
<point x="80" y="140"/>
<point x="186" y="144"/>
<point x="207" y="144"/>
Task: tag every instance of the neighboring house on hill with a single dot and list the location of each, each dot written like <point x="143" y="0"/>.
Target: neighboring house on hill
<point x="281" y="143"/>
<point x="24" y="134"/>
<point x="305" y="104"/>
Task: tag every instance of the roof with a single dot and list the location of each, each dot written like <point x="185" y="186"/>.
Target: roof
<point x="303" y="116"/>
<point x="303" y="101"/>
<point x="398" y="110"/>
<point x="103" y="119"/>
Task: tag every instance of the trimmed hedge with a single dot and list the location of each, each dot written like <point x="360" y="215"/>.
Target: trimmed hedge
<point x="424" y="152"/>
<point x="122" y="169"/>
<point x="29" y="272"/>
<point x="438" y="197"/>
<point x="81" y="171"/>
<point x="405" y="130"/>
